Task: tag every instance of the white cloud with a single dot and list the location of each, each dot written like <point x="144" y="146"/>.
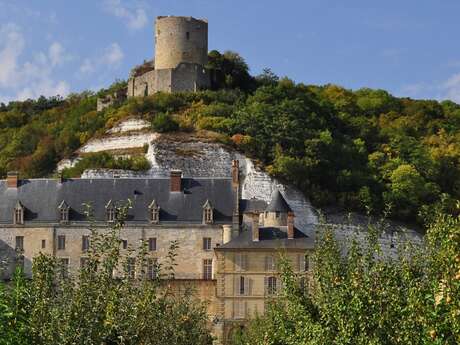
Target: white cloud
<point x="57" y="54"/>
<point x="113" y="55"/>
<point x="11" y="46"/>
<point x="452" y="88"/>
<point x="134" y="18"/>
<point x="111" y="58"/>
<point x="30" y="79"/>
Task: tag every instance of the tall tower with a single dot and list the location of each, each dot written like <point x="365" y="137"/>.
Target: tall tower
<point x="180" y="40"/>
<point x="181" y="54"/>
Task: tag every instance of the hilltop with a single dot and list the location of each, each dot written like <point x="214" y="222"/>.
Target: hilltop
<point x="361" y="150"/>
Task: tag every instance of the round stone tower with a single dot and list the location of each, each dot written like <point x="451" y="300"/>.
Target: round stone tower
<point x="180" y="39"/>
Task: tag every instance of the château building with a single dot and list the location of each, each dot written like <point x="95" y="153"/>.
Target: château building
<point x="228" y="246"/>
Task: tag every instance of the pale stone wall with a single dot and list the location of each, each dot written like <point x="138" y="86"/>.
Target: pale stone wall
<point x="190" y="77"/>
<point x="180" y="39"/>
<point x="142" y="85"/>
<point x="190" y="254"/>
<point x="235" y="308"/>
<point x="33" y="237"/>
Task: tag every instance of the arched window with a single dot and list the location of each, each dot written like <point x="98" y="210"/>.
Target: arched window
<point x="208" y="217"/>
<point x="110" y="211"/>
<point x="154" y="212"/>
<point x="63" y="209"/>
<point x="18" y="216"/>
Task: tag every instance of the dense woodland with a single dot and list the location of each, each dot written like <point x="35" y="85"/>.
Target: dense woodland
<point x="362" y="150"/>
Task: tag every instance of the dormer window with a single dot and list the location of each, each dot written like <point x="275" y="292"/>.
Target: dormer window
<point x="63" y="212"/>
<point x="154" y="212"/>
<point x="110" y="211"/>
<point x="207" y="213"/>
<point x="18" y="213"/>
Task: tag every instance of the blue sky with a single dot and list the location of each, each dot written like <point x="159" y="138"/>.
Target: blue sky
<point x="409" y="47"/>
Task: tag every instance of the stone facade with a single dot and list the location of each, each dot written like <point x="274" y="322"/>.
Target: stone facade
<point x="181" y="48"/>
<point x="244" y="290"/>
<point x="109" y="100"/>
<point x="203" y="215"/>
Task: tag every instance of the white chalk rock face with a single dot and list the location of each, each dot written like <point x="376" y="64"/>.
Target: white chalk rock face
<point x="196" y="157"/>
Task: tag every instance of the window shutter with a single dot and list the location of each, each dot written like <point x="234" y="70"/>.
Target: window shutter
<point x="266" y="285"/>
<point x="246" y="286"/>
<point x="245" y="262"/>
<point x="237" y="262"/>
<point x="267" y="263"/>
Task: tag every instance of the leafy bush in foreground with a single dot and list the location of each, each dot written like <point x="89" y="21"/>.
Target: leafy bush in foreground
<point x="364" y="298"/>
<point x="98" y="306"/>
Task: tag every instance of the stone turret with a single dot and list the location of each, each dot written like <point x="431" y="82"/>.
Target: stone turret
<point x="180" y="40"/>
<point x="276" y="213"/>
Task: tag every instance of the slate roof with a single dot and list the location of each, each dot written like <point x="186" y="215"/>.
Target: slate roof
<point x="270" y="238"/>
<point x="41" y="198"/>
<point x="252" y="205"/>
<point x="278" y="203"/>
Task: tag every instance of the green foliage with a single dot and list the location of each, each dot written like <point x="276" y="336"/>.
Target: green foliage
<point x="99" y="307"/>
<point x="359" y="295"/>
<point x="163" y="123"/>
<point x="356" y="149"/>
<point x="104" y="160"/>
<point x="230" y="71"/>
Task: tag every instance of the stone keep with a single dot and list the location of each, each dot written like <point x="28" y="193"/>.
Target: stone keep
<point x="181" y="53"/>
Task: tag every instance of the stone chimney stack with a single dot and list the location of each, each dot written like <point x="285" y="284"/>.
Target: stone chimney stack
<point x="235" y="173"/>
<point x="12" y="179"/>
<point x="227" y="233"/>
<point x="255" y="227"/>
<point x="176" y="180"/>
<point x="290" y="225"/>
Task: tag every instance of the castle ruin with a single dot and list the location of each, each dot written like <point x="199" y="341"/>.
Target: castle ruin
<point x="181" y="53"/>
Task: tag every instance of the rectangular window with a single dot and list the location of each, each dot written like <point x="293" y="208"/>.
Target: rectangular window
<point x="19" y="243"/>
<point x="152" y="269"/>
<point x="270" y="263"/>
<point x="64" y="267"/>
<point x="206" y="243"/>
<point x="84" y="262"/>
<point x="64" y="215"/>
<point x="152" y="244"/>
<point x="110" y="213"/>
<point x="271" y="285"/>
<point x="84" y="243"/>
<point x="241" y="262"/>
<point x="61" y="242"/>
<point x="43" y="244"/>
<point x="131" y="267"/>
<point x="243" y="286"/>
<point x="240" y="309"/>
<point x="124" y="244"/>
<point x="207" y="269"/>
<point x="18" y="216"/>
<point x="303" y="263"/>
<point x="187" y="35"/>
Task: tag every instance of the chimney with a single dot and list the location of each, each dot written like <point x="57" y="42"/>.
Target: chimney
<point x="235" y="172"/>
<point x="255" y="227"/>
<point x="12" y="179"/>
<point x="290" y="225"/>
<point x="176" y="180"/>
<point x="227" y="234"/>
